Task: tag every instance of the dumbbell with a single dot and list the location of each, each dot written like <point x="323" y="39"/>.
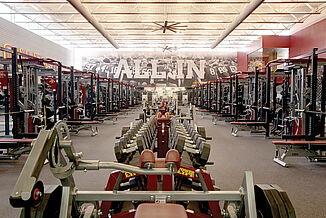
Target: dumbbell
<point x="124" y="151"/>
<point x="202" y="131"/>
<point x="130" y="142"/>
<point x="199" y="155"/>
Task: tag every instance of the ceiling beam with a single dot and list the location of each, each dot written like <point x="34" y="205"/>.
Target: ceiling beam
<point x="162" y="13"/>
<point x="158" y="35"/>
<point x="150" y="22"/>
<point x="244" y="14"/>
<point x="87" y="15"/>
<point x="162" y="2"/>
<point x="151" y="29"/>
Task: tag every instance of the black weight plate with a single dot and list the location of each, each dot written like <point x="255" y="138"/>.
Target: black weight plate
<point x="279" y="202"/>
<point x="265" y="203"/>
<point x="288" y="205"/>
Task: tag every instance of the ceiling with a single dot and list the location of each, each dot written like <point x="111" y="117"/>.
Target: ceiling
<point x="131" y="23"/>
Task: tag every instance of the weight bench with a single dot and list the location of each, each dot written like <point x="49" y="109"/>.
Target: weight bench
<point x="11" y="148"/>
<point x="75" y="126"/>
<point x="221" y="117"/>
<point x="124" y="112"/>
<point x="105" y="116"/>
<point x="245" y="126"/>
<point x="312" y="150"/>
<point x="204" y="112"/>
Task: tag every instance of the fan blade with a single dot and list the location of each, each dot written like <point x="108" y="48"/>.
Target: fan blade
<point x="180" y="27"/>
<point x="156" y="29"/>
<point x="165" y="23"/>
<point x="174" y="24"/>
<point x="172" y="30"/>
<point x="158" y="24"/>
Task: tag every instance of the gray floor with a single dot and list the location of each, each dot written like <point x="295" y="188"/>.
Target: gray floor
<point x="304" y="182"/>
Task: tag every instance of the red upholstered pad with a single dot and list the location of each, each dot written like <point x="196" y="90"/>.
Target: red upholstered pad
<point x="107" y="115"/>
<point x="112" y="115"/>
<point x="124" y="110"/>
<point x="299" y="142"/>
<point x="11" y="140"/>
<point x="204" y="110"/>
<point x="132" y="107"/>
<point x="77" y="122"/>
<point x="159" y="163"/>
<point x="147" y="156"/>
<point x="173" y="156"/>
<point x="150" y="210"/>
<point x="217" y="115"/>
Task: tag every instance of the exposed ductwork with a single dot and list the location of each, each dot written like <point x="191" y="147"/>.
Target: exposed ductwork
<point x="242" y="16"/>
<point x="87" y="15"/>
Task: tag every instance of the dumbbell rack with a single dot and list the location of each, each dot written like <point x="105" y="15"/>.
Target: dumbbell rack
<point x="191" y="145"/>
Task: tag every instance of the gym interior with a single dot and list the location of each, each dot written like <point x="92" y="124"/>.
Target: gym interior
<point x="170" y="108"/>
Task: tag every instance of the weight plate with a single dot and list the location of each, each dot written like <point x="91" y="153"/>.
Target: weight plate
<point x="265" y="203"/>
<point x="288" y="205"/>
<point x="205" y="150"/>
<point x="280" y="204"/>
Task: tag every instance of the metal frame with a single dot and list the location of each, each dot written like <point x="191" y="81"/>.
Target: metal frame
<point x="49" y="139"/>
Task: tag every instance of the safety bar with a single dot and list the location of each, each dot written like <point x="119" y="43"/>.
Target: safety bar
<point x="97" y="165"/>
<point x="90" y="196"/>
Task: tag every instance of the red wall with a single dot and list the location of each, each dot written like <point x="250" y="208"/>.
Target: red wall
<point x="275" y="41"/>
<point x="313" y="36"/>
<point x="242" y="61"/>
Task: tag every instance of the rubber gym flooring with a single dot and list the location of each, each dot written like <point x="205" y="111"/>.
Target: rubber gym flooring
<point x="304" y="182"/>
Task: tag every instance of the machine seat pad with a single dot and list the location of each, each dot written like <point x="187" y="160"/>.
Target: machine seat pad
<point x="147" y="156"/>
<point x="299" y="142"/>
<point x="132" y="107"/>
<point x="159" y="163"/>
<point x="217" y="115"/>
<point x="173" y="156"/>
<point x="77" y="122"/>
<point x="149" y="210"/>
<point x="124" y="110"/>
<point x="204" y="110"/>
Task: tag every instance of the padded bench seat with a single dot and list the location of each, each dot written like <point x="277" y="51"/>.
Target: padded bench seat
<point x="299" y="142"/>
<point x="308" y="149"/>
<point x="124" y="110"/>
<point x="106" y="115"/>
<point x="76" y="122"/>
<point x="248" y="123"/>
<point x="13" y="143"/>
<point x="150" y="210"/>
<point x="223" y="115"/>
<point x="11" y="140"/>
<point x="204" y="110"/>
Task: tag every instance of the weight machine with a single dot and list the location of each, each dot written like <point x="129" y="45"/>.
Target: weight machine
<point x="155" y="185"/>
<point x="304" y="118"/>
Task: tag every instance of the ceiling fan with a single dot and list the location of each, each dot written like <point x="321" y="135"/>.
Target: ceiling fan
<point x="173" y="27"/>
<point x="168" y="48"/>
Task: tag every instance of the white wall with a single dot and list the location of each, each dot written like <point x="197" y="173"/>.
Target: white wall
<point x="21" y="38"/>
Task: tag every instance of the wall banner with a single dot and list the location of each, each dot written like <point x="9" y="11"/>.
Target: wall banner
<point x="162" y="68"/>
